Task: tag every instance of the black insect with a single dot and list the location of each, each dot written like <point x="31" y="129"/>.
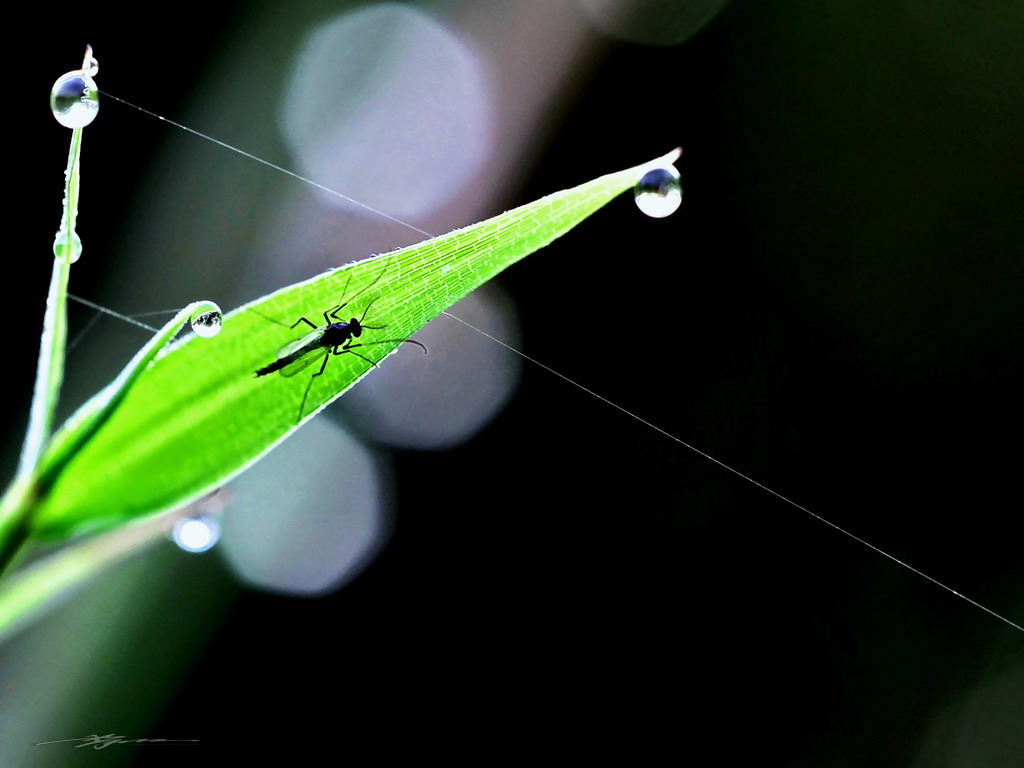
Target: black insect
<point x="334" y="337"/>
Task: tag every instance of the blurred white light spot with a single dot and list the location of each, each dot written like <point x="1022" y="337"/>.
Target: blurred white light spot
<point x="387" y="107"/>
<point x="309" y="516"/>
<point x="444" y="398"/>
<point x="652" y="22"/>
<point x="196" y="534"/>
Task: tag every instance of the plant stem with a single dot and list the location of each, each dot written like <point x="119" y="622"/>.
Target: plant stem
<point x="15" y="507"/>
<point x="19" y="500"/>
<point x="33" y="588"/>
<point x="50" y="372"/>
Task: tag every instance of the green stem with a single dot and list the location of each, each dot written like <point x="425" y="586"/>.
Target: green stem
<point x="31" y="486"/>
<point x="37" y="585"/>
<point x="15" y="508"/>
<point x="50" y="372"/>
<point x="21" y="497"/>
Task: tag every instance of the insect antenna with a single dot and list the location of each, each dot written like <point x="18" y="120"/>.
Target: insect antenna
<point x="356" y="295"/>
<point x="383" y="341"/>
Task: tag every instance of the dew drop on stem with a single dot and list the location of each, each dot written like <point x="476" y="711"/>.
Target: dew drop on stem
<point x="67" y="246"/>
<point x="206" y="321"/>
<point x="75" y="99"/>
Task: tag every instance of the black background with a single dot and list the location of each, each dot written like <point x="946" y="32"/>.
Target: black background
<point x="834" y="312"/>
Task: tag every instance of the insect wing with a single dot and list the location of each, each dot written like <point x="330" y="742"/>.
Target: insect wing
<point x="302" y="352"/>
<point x="303" y="361"/>
<point x="295" y="346"/>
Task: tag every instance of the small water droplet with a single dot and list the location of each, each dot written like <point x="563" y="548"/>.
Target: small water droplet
<point x="659" y="193"/>
<point x="206" y="322"/>
<point x="67" y="247"/>
<point x="196" y="534"/>
<point x="75" y="99"/>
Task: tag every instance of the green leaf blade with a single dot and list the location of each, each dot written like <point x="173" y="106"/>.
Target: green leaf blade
<point x="199" y="415"/>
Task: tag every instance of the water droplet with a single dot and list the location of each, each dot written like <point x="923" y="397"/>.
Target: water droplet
<point x="206" y="321"/>
<point x="196" y="534"/>
<point x="67" y="247"/>
<point x="659" y="193"/>
<point x="75" y="99"/>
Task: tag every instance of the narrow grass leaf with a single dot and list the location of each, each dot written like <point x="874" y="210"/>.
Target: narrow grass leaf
<point x="198" y="415"/>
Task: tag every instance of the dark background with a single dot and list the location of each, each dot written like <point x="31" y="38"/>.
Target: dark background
<point x="834" y="312"/>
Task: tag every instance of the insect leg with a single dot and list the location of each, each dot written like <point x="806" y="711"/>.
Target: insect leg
<point x="345" y="349"/>
<point x="334" y="310"/>
<point x="340" y="306"/>
<point x="304" y="320"/>
<point x="273" y="320"/>
<point x="309" y="386"/>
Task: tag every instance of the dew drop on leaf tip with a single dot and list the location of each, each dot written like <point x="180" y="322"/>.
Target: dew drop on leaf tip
<point x="74" y="99"/>
<point x="659" y="193"/>
<point x="206" y="321"/>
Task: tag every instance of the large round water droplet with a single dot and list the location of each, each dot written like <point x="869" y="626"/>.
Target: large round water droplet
<point x="75" y="100"/>
<point x="67" y="246"/>
<point x="659" y="193"/>
<point x="206" y="321"/>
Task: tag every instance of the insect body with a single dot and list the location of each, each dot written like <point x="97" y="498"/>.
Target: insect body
<point x="335" y="337"/>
